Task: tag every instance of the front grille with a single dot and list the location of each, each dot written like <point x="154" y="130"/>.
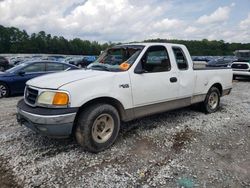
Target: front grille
<point x="239" y="66"/>
<point x="31" y="95"/>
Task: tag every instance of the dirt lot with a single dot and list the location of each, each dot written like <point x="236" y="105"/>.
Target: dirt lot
<point x="182" y="148"/>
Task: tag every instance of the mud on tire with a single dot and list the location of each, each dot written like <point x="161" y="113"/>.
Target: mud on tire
<point x="212" y="101"/>
<point x="97" y="127"/>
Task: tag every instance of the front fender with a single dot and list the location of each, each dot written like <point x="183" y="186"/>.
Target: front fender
<point x="86" y="90"/>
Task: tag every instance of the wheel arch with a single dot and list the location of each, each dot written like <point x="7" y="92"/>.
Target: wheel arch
<point x="218" y="86"/>
<point x="105" y="100"/>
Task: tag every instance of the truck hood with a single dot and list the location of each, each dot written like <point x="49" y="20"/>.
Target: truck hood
<point x="57" y="80"/>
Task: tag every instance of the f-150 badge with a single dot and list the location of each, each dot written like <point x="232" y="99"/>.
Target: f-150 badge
<point x="124" y="86"/>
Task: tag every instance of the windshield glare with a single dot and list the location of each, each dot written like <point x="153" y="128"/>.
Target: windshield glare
<point x="118" y="58"/>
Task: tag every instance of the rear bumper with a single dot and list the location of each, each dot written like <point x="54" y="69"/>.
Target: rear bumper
<point x="241" y="73"/>
<point x="49" y="122"/>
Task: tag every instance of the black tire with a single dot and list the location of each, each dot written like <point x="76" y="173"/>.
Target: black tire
<point x="2" y="68"/>
<point x="4" y="90"/>
<point x="207" y="106"/>
<point x="86" y="123"/>
<point x="234" y="78"/>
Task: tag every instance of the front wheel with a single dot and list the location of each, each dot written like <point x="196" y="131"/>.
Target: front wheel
<point x="212" y="100"/>
<point x="97" y="127"/>
<point x="4" y="90"/>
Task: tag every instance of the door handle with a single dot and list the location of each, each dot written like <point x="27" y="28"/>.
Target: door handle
<point x="173" y="79"/>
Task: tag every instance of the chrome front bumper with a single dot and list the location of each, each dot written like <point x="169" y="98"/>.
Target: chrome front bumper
<point x="53" y="123"/>
<point x="47" y="119"/>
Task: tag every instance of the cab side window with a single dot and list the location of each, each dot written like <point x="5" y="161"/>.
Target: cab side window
<point x="180" y="58"/>
<point x="156" y="59"/>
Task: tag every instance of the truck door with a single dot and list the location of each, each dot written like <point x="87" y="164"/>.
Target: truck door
<point x="154" y="80"/>
<point x="185" y="72"/>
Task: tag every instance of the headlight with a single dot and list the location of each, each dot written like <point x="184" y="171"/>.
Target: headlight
<point x="51" y="98"/>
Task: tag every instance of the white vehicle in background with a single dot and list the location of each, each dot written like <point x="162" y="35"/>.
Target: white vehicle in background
<point x="241" y="67"/>
<point x="147" y="78"/>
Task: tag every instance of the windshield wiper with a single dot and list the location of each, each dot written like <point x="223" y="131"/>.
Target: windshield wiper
<point x="99" y="67"/>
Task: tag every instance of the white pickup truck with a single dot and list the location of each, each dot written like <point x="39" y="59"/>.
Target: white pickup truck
<point x="126" y="82"/>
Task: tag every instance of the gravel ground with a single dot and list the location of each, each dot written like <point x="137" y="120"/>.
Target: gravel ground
<point x="182" y="148"/>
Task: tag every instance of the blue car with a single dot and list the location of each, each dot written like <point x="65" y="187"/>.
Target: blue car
<point x="13" y="80"/>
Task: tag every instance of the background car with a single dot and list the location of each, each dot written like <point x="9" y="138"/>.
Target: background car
<point x="83" y="61"/>
<point x="4" y="63"/>
<point x="202" y="58"/>
<point x="57" y="58"/>
<point x="13" y="80"/>
<point x="220" y="62"/>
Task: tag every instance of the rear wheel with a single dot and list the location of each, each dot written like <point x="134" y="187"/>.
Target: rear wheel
<point x="212" y="101"/>
<point x="4" y="90"/>
<point x="97" y="127"/>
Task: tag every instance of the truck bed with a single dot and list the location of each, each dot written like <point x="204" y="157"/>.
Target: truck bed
<point x="206" y="77"/>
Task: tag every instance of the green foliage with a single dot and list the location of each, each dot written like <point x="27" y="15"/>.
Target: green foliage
<point x="205" y="47"/>
<point x="13" y="40"/>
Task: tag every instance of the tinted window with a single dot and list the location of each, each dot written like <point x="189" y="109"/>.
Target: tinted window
<point x="37" y="67"/>
<point x="180" y="58"/>
<point x="156" y="59"/>
<point x="54" y="67"/>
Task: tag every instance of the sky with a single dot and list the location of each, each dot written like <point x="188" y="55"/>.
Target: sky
<point x="131" y="20"/>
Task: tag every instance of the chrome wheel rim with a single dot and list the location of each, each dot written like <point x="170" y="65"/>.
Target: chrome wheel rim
<point x="213" y="100"/>
<point x="103" y="128"/>
<point x="3" y="91"/>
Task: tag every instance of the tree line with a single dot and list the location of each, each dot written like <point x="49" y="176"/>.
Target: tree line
<point x="207" y="48"/>
<point x="14" y="40"/>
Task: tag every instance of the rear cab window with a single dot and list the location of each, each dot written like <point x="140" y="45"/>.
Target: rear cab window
<point x="180" y="58"/>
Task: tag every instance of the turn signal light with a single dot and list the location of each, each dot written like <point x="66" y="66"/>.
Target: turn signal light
<point x="60" y="99"/>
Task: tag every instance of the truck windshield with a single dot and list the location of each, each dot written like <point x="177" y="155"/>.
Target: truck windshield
<point x="118" y="58"/>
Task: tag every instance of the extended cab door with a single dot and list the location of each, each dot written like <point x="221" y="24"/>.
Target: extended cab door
<point x="154" y="81"/>
<point x="182" y="59"/>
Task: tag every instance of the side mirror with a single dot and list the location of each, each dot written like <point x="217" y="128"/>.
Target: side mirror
<point x="139" y="71"/>
<point x="21" y="73"/>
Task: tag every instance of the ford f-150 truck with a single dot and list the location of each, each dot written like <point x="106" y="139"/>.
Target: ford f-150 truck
<point x="126" y="82"/>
